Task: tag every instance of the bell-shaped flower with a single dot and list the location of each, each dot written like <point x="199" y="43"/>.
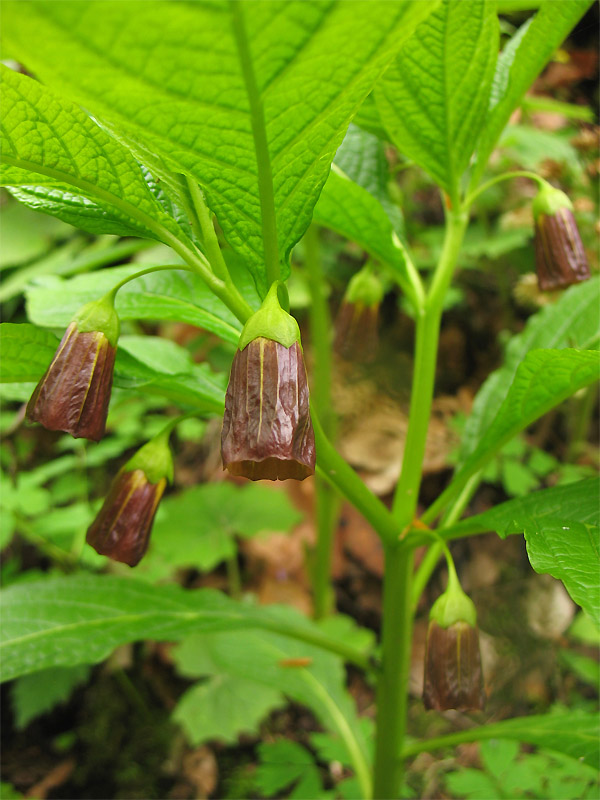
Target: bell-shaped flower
<point x="123" y="525"/>
<point x="267" y="430"/>
<point x="74" y="393"/>
<point x="560" y="259"/>
<point x="356" y="324"/>
<point x="453" y="676"/>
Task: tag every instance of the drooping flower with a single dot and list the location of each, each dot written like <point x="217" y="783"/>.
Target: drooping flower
<point x="74" y="393"/>
<point x="356" y="334"/>
<point x="560" y="258"/>
<point x="453" y="676"/>
<point x="267" y="430"/>
<point x="122" y="527"/>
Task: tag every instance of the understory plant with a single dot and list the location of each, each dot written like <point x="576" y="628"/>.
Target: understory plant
<point x="230" y="132"/>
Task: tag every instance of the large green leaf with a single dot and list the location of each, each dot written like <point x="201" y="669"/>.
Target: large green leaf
<point x="572" y="321"/>
<point x="250" y="99"/>
<point x="561" y="527"/>
<point x="50" y="143"/>
<point x="304" y="673"/>
<point x="351" y="210"/>
<point x="434" y="97"/>
<point x="574" y="733"/>
<point x="571" y="553"/>
<point x="80" y="619"/>
<point x="520" y="63"/>
<point x="542" y="380"/>
<point x="573" y="502"/>
<point x="174" y="295"/>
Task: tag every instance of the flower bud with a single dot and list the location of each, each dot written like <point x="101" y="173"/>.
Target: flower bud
<point x="453" y="677"/>
<point x="267" y="430"/>
<point x="560" y="259"/>
<point x="74" y="393"/>
<point x="122" y="527"/>
<point x="356" y="337"/>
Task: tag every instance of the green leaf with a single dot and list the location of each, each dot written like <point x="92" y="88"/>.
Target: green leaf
<point x="25" y="351"/>
<point x="302" y="672"/>
<point x="574" y="733"/>
<point x="36" y="694"/>
<point x="272" y="113"/>
<point x="542" y="380"/>
<point x="26" y="237"/>
<point x="355" y="213"/>
<point x="284" y="762"/>
<point x="223" y="707"/>
<point x="518" y="66"/>
<point x="434" y="97"/>
<point x="585" y="668"/>
<point x="197" y="527"/>
<point x="80" y="619"/>
<point x="472" y="783"/>
<point x="570" y="322"/>
<point x="175" y="295"/>
<point x="571" y="553"/>
<point x="573" y="502"/>
<point x="49" y="142"/>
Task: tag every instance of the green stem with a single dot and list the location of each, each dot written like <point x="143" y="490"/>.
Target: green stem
<point x="392" y="686"/>
<point x="433" y="555"/>
<point x="263" y="159"/>
<point x="111" y="294"/>
<point x="338" y="473"/>
<point x="428" y="329"/>
<point x="504" y="177"/>
<point x="325" y="499"/>
<point x="209" y="236"/>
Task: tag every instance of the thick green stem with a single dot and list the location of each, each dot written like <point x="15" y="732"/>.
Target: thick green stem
<point x="392" y="687"/>
<point x="326" y="503"/>
<point x="338" y="473"/>
<point x="261" y="146"/>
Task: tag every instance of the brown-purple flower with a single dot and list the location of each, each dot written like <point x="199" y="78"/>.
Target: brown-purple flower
<point x="267" y="430"/>
<point x="560" y="258"/>
<point x="123" y="525"/>
<point x="74" y="393"/>
<point x="356" y="335"/>
<point x="453" y="676"/>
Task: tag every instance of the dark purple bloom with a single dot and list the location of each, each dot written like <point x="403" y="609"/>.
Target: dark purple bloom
<point x="122" y="527"/>
<point x="560" y="259"/>
<point x="356" y="336"/>
<point x="74" y="393"/>
<point x="267" y="430"/>
<point x="453" y="676"/>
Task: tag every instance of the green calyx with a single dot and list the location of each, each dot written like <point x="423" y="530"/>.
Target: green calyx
<point x="452" y="607"/>
<point x="271" y="321"/>
<point x="154" y="458"/>
<point x="364" y="288"/>
<point x="99" y="315"/>
<point x="548" y="201"/>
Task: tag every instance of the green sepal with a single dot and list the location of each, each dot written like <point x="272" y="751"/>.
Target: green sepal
<point x="271" y="322"/>
<point x="452" y="607"/>
<point x="364" y="288"/>
<point x="548" y="201"/>
<point x="154" y="459"/>
<point x="99" y="315"/>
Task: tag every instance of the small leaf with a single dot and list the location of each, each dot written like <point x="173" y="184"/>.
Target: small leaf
<point x="520" y="63"/>
<point x="25" y="351"/>
<point x="34" y="695"/>
<point x="542" y="380"/>
<point x="434" y="97"/>
<point x="574" y="733"/>
<point x="223" y="707"/>
<point x="570" y="322"/>
<point x="285" y="762"/>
